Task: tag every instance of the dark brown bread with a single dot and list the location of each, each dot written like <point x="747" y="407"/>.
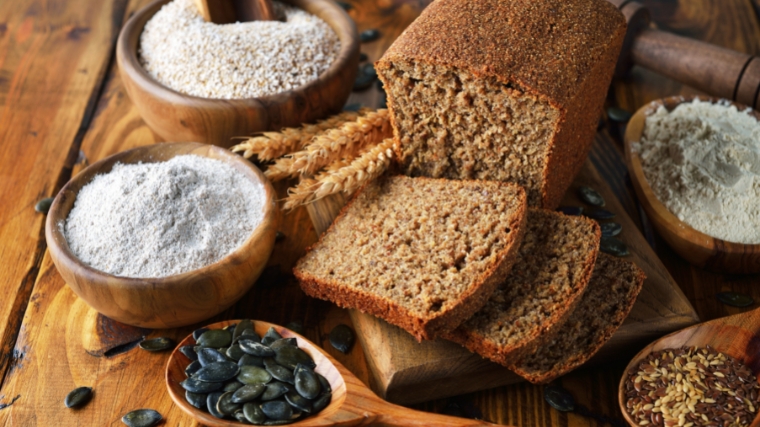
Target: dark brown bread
<point x="606" y="303"/>
<point x="553" y="268"/>
<point x="423" y="254"/>
<point x="505" y="90"/>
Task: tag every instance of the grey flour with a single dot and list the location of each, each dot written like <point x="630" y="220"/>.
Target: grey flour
<point x="160" y="219"/>
<point x="702" y="161"/>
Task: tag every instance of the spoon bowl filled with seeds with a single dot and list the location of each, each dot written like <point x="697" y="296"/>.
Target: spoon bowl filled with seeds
<point x="704" y="375"/>
<point x="164" y="235"/>
<point x="242" y="372"/>
<point x="193" y="80"/>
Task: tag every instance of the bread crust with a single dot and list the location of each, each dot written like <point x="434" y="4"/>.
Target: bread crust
<point x="443" y="321"/>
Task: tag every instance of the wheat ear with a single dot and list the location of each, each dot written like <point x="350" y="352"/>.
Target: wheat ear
<point x="368" y="166"/>
<point x="271" y="145"/>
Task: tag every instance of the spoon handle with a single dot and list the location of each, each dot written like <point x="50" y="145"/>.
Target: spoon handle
<point x="390" y="415"/>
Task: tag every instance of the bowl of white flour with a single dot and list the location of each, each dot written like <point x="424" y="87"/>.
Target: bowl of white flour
<point x="164" y="235"/>
<point x="695" y="166"/>
<point x="193" y="80"/>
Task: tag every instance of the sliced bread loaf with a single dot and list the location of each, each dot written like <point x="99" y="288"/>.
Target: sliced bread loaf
<point x="553" y="268"/>
<point x="423" y="254"/>
<point x="611" y="293"/>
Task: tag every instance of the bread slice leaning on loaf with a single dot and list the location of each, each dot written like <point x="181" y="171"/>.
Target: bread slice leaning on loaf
<point x="606" y="303"/>
<point x="552" y="270"/>
<point x="507" y="90"/>
<point x="423" y="254"/>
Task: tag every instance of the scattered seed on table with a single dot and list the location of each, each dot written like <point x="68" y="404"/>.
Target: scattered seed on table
<point x="600" y="214"/>
<point x="157" y="344"/>
<point x="735" y="300"/>
<point x="591" y="196"/>
<point x="611" y="229"/>
<point x="279" y="237"/>
<point x="613" y="246"/>
<point x="363" y="57"/>
<point x="367" y="36"/>
<point x="619" y="115"/>
<point x="43" y="206"/>
<point x="559" y="398"/>
<point x="365" y="77"/>
<point x="142" y="418"/>
<point x="571" y="210"/>
<point x="342" y="338"/>
<point x="78" y="397"/>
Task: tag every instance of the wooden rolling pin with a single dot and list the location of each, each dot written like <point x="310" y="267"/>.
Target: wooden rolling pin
<point x="718" y="71"/>
<point x="228" y="11"/>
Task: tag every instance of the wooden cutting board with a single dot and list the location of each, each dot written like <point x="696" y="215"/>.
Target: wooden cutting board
<point x="405" y="371"/>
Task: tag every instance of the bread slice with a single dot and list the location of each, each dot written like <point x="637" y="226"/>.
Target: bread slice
<point x="423" y="254"/>
<point x="504" y="90"/>
<point x="553" y="268"/>
<point x="609" y="298"/>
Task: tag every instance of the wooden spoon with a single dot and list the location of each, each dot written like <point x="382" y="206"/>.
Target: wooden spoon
<point x="737" y="336"/>
<point x="229" y="11"/>
<point x="352" y="402"/>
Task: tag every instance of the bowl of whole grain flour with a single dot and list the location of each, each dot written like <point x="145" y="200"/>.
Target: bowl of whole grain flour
<point x="164" y="235"/>
<point x="695" y="167"/>
<point x="193" y="80"/>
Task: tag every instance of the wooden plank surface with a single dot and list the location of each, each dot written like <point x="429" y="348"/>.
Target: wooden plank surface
<point x="53" y="57"/>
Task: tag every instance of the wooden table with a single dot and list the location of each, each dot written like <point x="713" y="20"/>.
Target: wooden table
<point x="63" y="105"/>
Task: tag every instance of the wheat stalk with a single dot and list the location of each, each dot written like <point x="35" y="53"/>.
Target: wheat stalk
<point x="366" y="167"/>
<point x="270" y="145"/>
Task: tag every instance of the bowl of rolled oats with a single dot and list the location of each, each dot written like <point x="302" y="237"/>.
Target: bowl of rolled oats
<point x="193" y="80"/>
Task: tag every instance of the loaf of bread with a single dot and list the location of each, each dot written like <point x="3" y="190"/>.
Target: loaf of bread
<point x="507" y="90"/>
<point x="423" y="254"/>
<point x="553" y="268"/>
<point x="611" y="293"/>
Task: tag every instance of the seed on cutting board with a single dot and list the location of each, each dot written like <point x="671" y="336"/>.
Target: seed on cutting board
<point x="198" y="400"/>
<point x="248" y="393"/>
<point x="271" y="336"/>
<point x="141" y="418"/>
<point x="78" y="397"/>
<point x="618" y="114"/>
<point x="226" y="406"/>
<point x="43" y="206"/>
<point x="342" y="338"/>
<point x="611" y="229"/>
<point x="613" y="246"/>
<point x="278" y="371"/>
<point x="253" y="413"/>
<point x="192" y="368"/>
<point x="369" y="35"/>
<point x="215" y="338"/>
<point x="211" y="401"/>
<point x="211" y="355"/>
<point x="249" y="360"/>
<point x="189" y="352"/>
<point x="277" y="410"/>
<point x="559" y="398"/>
<point x="571" y="210"/>
<point x="232" y="385"/>
<point x="299" y="402"/>
<point x="591" y="196"/>
<point x="217" y="372"/>
<point x="253" y="375"/>
<point x="290" y="357"/>
<point x="157" y="344"/>
<point x="735" y="300"/>
<point x="307" y="383"/>
<point x="194" y="385"/>
<point x="600" y="214"/>
<point x="255" y="348"/>
<point x="274" y="390"/>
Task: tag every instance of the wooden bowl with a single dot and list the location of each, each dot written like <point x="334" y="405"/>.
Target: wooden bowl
<point x="172" y="301"/>
<point x="696" y="247"/>
<point x="179" y="117"/>
<point x="352" y="403"/>
<point x="737" y="336"/>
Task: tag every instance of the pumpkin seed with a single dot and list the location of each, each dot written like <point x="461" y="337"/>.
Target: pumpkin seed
<point x="189" y="352"/>
<point x="362" y="57"/>
<point x="211" y="402"/>
<point x="253" y="413"/>
<point x="195" y="385"/>
<point x="255" y="348"/>
<point x="198" y="332"/>
<point x="248" y="393"/>
<point x="253" y="375"/>
<point x="198" y="400"/>
<point x="600" y="214"/>
<point x="280" y="422"/>
<point x="250" y="360"/>
<point x="290" y="357"/>
<point x="157" y="344"/>
<point x="307" y="383"/>
<point x="278" y="371"/>
<point x="321" y="402"/>
<point x="365" y="77"/>
<point x="215" y="338"/>
<point x="141" y="418"/>
<point x="230" y="328"/>
<point x="43" y="206"/>
<point x="324" y="383"/>
<point x="226" y="406"/>
<point x="277" y="410"/>
<point x="367" y="36"/>
<point x="244" y="325"/>
<point x="239" y="415"/>
<point x="611" y="229"/>
<point x="618" y="114"/>
<point x="218" y="372"/>
<point x="559" y="398"/>
<point x="271" y="336"/>
<point x="284" y="341"/>
<point x="248" y="334"/>
<point x="78" y="397"/>
<point x="613" y="246"/>
<point x="299" y="402"/>
<point x="233" y="385"/>
<point x="342" y="338"/>
<point x="279" y="236"/>
<point x="207" y="356"/>
<point x="735" y="300"/>
<point x="235" y="352"/>
<point x="591" y="196"/>
<point x="274" y="390"/>
<point x="571" y="210"/>
<point x="296" y="327"/>
<point x="192" y="368"/>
